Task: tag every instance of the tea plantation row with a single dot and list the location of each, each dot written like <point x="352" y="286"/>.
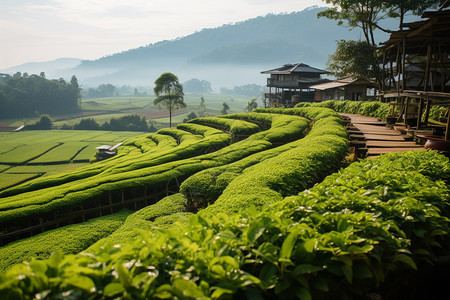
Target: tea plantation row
<point x="343" y="238"/>
<point x="243" y="225"/>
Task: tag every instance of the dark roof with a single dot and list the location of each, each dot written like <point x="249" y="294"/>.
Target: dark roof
<point x="419" y="34"/>
<point x="348" y="80"/>
<point x="297" y="68"/>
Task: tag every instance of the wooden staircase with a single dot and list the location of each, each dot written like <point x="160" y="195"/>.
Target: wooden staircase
<point x="370" y="137"/>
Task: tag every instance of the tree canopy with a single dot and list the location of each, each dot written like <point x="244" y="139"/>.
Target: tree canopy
<point x="350" y="58"/>
<point x="197" y="86"/>
<point x="366" y="15"/>
<point x="30" y="95"/>
<point x="225" y="108"/>
<point x="252" y="104"/>
<point x="169" y="93"/>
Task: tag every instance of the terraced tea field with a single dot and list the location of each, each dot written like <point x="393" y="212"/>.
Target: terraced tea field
<point x="248" y="205"/>
<point x="31" y="154"/>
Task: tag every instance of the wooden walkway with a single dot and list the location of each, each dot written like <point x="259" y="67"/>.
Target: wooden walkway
<point x="371" y="137"/>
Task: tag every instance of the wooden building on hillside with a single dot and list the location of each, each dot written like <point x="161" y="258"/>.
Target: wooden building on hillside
<point x="416" y="61"/>
<point x="291" y="84"/>
<point x="346" y="88"/>
<point x="106" y="151"/>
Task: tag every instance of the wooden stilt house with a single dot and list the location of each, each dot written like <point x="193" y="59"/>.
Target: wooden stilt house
<point x="291" y="84"/>
<point x="416" y="65"/>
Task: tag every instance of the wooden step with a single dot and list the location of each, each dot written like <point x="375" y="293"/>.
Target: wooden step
<point x="382" y="137"/>
<point x="359" y="137"/>
<point x="374" y="150"/>
<point x="357" y="144"/>
<point x="391" y="144"/>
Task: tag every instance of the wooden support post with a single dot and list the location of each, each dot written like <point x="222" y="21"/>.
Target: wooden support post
<point x="427" y="68"/>
<point x="83" y="217"/>
<point x="443" y="70"/>
<point x="110" y="203"/>
<point x="391" y="73"/>
<point x="427" y="111"/>
<point x="447" y="134"/>
<point x="403" y="73"/>
<point x="406" y="110"/>
<point x="145" y="196"/>
<point x="397" y="65"/>
<point x="419" y="114"/>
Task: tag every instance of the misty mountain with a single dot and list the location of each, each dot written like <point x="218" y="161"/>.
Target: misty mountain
<point x="52" y="69"/>
<point x="227" y="56"/>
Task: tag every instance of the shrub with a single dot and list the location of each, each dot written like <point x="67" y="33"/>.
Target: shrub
<point x="340" y="239"/>
<point x="367" y="108"/>
<point x="152" y="169"/>
<point x="69" y="239"/>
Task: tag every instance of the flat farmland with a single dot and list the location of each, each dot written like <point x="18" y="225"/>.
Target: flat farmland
<point x="30" y="154"/>
<point x="103" y="109"/>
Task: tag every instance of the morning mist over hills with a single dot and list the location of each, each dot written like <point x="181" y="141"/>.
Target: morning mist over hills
<point x="230" y="55"/>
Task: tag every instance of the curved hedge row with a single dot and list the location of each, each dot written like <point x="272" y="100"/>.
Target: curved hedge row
<point x="152" y="173"/>
<point x="366" y="108"/>
<point x="289" y="168"/>
<point x="233" y="126"/>
<point x="69" y="239"/>
<point x="340" y="239"/>
<point x="130" y="158"/>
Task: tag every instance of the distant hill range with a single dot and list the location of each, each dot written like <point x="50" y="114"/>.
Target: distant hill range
<point x="226" y="56"/>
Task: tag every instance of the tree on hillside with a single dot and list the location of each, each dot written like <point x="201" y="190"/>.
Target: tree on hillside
<point x="169" y="93"/>
<point x="225" y="108"/>
<point x="364" y="14"/>
<point x="44" y="123"/>
<point x="102" y="91"/>
<point x="399" y="8"/>
<point x="202" y="107"/>
<point x="252" y="104"/>
<point x="190" y="116"/>
<point x="350" y="58"/>
<point x="24" y="96"/>
<point x="197" y="86"/>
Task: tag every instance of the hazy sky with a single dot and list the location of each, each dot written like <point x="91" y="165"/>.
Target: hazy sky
<point x="42" y="30"/>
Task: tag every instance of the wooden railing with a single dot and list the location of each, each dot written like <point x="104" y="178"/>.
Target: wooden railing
<point x="114" y="204"/>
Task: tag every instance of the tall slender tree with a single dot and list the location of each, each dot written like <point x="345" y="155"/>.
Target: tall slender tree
<point x="169" y="93"/>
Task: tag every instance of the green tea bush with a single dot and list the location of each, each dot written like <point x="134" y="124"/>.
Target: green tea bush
<point x="69" y="239"/>
<point x="341" y="239"/>
<point x="233" y="126"/>
<point x="144" y="219"/>
<point x="367" y="108"/>
<point x="40" y="198"/>
<point x="288" y="173"/>
<point x="205" y="187"/>
<point x="438" y="112"/>
<point x="132" y="156"/>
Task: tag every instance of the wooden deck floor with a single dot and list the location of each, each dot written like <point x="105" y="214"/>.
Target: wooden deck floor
<point x="378" y="138"/>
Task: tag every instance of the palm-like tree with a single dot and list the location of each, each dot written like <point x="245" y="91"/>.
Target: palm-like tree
<point x="169" y="93"/>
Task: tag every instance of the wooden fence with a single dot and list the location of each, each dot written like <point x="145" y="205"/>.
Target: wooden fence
<point x="98" y="207"/>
